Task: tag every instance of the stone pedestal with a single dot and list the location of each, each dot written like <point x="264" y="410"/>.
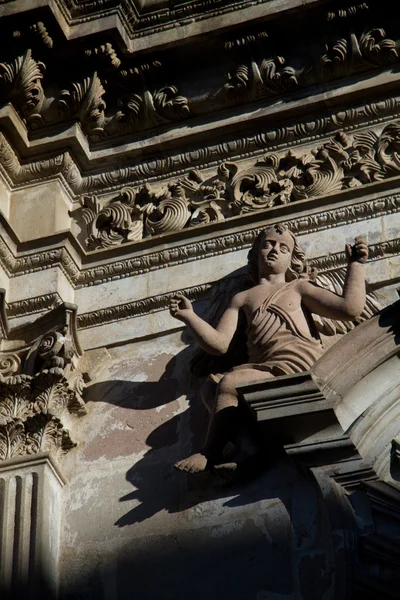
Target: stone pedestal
<point x="30" y="525"/>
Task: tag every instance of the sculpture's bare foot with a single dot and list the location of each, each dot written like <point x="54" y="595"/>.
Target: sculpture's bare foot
<point x="193" y="464"/>
<point x="227" y="467"/>
<point x="244" y="468"/>
<point x="226" y="470"/>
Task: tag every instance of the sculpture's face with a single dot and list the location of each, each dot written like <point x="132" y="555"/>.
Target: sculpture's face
<point x="275" y="253"/>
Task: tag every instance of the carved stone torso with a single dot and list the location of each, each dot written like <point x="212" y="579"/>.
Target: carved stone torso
<point x="289" y="302"/>
<point x="279" y="339"/>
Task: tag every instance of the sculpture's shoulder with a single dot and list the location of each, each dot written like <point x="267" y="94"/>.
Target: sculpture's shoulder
<point x="239" y="300"/>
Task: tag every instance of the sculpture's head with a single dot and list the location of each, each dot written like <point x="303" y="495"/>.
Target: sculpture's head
<point x="276" y="249"/>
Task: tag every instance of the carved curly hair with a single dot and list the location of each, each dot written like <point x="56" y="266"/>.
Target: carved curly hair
<point x="298" y="257"/>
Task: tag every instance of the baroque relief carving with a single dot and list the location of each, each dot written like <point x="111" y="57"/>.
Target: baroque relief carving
<point x="21" y="83"/>
<point x="81" y="277"/>
<point x="341" y="163"/>
<point x="142" y="96"/>
<point x="85" y="102"/>
<point x="41" y="389"/>
<point x="63" y="165"/>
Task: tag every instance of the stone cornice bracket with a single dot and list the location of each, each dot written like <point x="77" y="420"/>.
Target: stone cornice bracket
<point x="41" y="385"/>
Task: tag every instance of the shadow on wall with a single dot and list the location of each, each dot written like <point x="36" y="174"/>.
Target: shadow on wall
<point x="158" y="486"/>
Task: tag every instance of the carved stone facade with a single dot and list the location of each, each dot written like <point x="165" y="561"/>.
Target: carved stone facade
<point x="144" y="145"/>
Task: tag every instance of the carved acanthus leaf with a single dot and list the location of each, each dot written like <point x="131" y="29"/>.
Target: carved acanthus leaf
<point x="21" y="83"/>
<point x="54" y="395"/>
<point x="33" y="408"/>
<point x="12" y="440"/>
<point x="84" y="101"/>
<point x="45" y="433"/>
<point x="278" y="78"/>
<point x="16" y="402"/>
<point x="378" y="49"/>
<point x="336" y="59"/>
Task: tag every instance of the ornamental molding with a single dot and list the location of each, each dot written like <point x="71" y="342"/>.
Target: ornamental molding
<point x="139" y="22"/>
<point x="67" y="167"/>
<point x="161" y="302"/>
<point x="40" y="386"/>
<point x="30" y="306"/>
<point x="343" y="162"/>
<point x="71" y="258"/>
<point x="111" y="94"/>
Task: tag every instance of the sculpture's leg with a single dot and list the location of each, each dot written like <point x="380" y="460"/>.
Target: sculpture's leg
<point x="225" y="424"/>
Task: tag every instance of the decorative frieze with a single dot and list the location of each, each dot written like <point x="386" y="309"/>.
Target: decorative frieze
<point x="30" y="306"/>
<point x="109" y="270"/>
<point x="112" y="94"/>
<point x="343" y="162"/>
<point x="64" y="166"/>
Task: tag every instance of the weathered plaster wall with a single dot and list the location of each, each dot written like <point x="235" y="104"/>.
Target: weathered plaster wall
<point x="134" y="527"/>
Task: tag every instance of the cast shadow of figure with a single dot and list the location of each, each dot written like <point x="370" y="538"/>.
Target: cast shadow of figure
<point x="157" y="485"/>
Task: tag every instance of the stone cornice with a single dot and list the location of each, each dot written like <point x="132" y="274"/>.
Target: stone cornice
<point x="106" y="99"/>
<point x="71" y="166"/>
<point x="63" y="167"/>
<point x="142" y="26"/>
<point x="83" y="268"/>
<point x="161" y="302"/>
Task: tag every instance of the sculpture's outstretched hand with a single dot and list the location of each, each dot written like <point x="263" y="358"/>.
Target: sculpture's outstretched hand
<point x="180" y="307"/>
<point x="358" y="252"/>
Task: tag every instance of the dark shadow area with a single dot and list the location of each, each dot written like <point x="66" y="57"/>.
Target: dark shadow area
<point x="390" y="319"/>
<point x="38" y="588"/>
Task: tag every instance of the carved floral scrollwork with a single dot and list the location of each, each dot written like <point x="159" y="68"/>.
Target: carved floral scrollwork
<point x="279" y="178"/>
<point x="278" y="77"/>
<point x="345" y="54"/>
<point x="170" y="105"/>
<point x="120" y="220"/>
<point x="377" y="48"/>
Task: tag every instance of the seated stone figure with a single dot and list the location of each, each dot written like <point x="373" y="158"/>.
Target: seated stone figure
<point x="281" y="338"/>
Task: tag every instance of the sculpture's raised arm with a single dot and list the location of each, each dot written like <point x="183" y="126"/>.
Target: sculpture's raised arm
<point x="351" y="303"/>
<point x="213" y="340"/>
